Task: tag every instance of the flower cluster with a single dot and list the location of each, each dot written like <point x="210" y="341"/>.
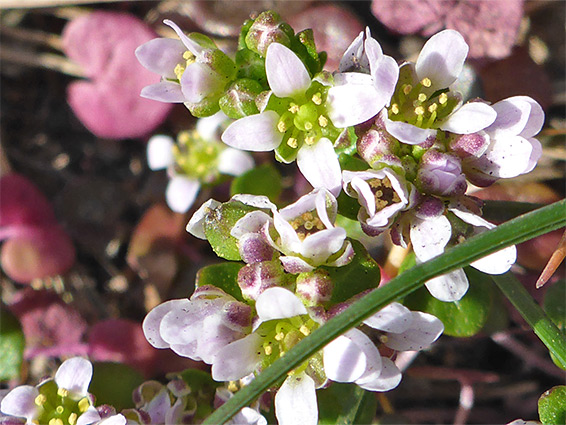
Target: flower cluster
<point x="399" y="140"/>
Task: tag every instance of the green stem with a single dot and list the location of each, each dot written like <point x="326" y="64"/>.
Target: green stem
<point x="512" y="232"/>
<point x="534" y="315"/>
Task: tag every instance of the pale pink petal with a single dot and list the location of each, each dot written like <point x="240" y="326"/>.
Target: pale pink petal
<point x="470" y="118"/>
<point x="353" y="56"/>
<point x="319" y="164"/>
<point x="278" y="303"/>
<point x="165" y="91"/>
<point x="118" y="419"/>
<point x="507" y="156"/>
<point x="318" y="246"/>
<point x="237" y="359"/>
<point x="536" y="153"/>
<point x="388" y="379"/>
<point x="408" y="133"/>
<point x="199" y="81"/>
<point x="258" y="201"/>
<point x="152" y="322"/>
<point x="160" y="152"/>
<point x="442" y="58"/>
<point x="424" y="329"/>
<point x="286" y="74"/>
<point x="234" y="162"/>
<point x="512" y="116"/>
<point x="366" y="198"/>
<point x="181" y="193"/>
<point x="305" y="203"/>
<point x="193" y="47"/>
<point x="345" y="258"/>
<point x="195" y="226"/>
<point x="290" y="241"/>
<point x="91" y="416"/>
<point x="429" y="237"/>
<point x="20" y="402"/>
<point x="161" y="55"/>
<point x="295" y="401"/>
<point x="393" y="318"/>
<point x="74" y="375"/>
<point x="448" y="287"/>
<point x="346" y="358"/>
<point x="257" y="133"/>
<point x="353" y="103"/>
<point x="210" y="128"/>
<point x="183" y="323"/>
<point x="252" y="222"/>
<point x="536" y="119"/>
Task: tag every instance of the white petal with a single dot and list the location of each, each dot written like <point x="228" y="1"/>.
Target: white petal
<point x="424" y="330"/>
<point x="74" y="375"/>
<point x="442" y="58"/>
<point x="209" y="127"/>
<point x="393" y="318"/>
<point x="237" y="359"/>
<point x="507" y="156"/>
<point x="165" y="91"/>
<point x="258" y="201"/>
<point x="289" y="240"/>
<point x="181" y="193"/>
<point x="408" y="133"/>
<point x="183" y="323"/>
<point x="536" y="119"/>
<point x="353" y="56"/>
<point x="385" y="73"/>
<point x="199" y="81"/>
<point x="286" y="74"/>
<point x="512" y="116"/>
<point x="193" y="47"/>
<point x="118" y="419"/>
<point x="295" y="401"/>
<point x="470" y="118"/>
<point x="352" y="104"/>
<point x="319" y="165"/>
<point x="429" y="237"/>
<point x="20" y="402"/>
<point x="536" y="153"/>
<point x="91" y="416"/>
<point x="366" y="198"/>
<point x="160" y="152"/>
<point x="345" y="358"/>
<point x="234" y="162"/>
<point x="161" y="55"/>
<point x="152" y="322"/>
<point x="389" y="378"/>
<point x="449" y="287"/>
<point x="195" y="226"/>
<point x="295" y="265"/>
<point x="252" y="222"/>
<point x="321" y="245"/>
<point x="278" y="303"/>
<point x="257" y="133"/>
<point x="497" y="263"/>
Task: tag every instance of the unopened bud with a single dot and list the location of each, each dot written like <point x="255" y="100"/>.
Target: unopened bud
<point x="314" y="288"/>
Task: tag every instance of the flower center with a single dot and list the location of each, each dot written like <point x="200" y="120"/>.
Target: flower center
<point x="419" y="105"/>
<point x="307" y="224"/>
<point x="196" y="157"/>
<point x="57" y="407"/>
<point x="180" y="67"/>
<point x="279" y="336"/>
<point x="384" y="193"/>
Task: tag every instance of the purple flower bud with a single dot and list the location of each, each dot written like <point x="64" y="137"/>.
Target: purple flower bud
<point x="466" y="145"/>
<point x="314" y="288"/>
<point x="429" y="207"/>
<point x="441" y="174"/>
<point x="257" y="277"/>
<point x="266" y="29"/>
<point x="254" y="248"/>
<point x="375" y="144"/>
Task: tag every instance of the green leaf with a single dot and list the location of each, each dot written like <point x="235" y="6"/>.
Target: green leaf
<point x="554" y="304"/>
<point x="217" y="226"/>
<point x="12" y="344"/>
<point x="113" y="384"/>
<point x="552" y="406"/>
<point x="360" y="274"/>
<point x="223" y="276"/>
<point x="345" y="404"/>
<point x="462" y="318"/>
<point x="262" y="180"/>
<point x="522" y="228"/>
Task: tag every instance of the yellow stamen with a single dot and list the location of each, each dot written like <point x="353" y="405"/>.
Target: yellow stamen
<point x="421" y="97"/>
<point x="443" y="98"/>
<point x="281" y="127"/>
<point x="309" y="140"/>
<point x="304" y="330"/>
<point x="279" y="336"/>
<point x="308" y="225"/>
<point x="407" y="88"/>
<point x="395" y="108"/>
<point x="268" y="350"/>
<point x="322" y="121"/>
<point x="316" y="98"/>
<point x="281" y="353"/>
<point x="55" y="421"/>
<point x="308" y="125"/>
<point x="293" y="108"/>
<point x="419" y="110"/>
<point x="188" y="55"/>
<point x="179" y="69"/>
<point x="59" y="409"/>
<point x="40" y="400"/>
<point x="84" y="404"/>
<point x="73" y="418"/>
<point x="433" y="107"/>
<point x="209" y="150"/>
<point x="426" y="82"/>
<point x="62" y="392"/>
<point x="292" y="142"/>
<point x="383" y="339"/>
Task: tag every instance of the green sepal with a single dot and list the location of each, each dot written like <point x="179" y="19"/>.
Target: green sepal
<point x="262" y="180"/>
<point x="345" y="404"/>
<point x="217" y="226"/>
<point x="361" y="274"/>
<point x="12" y="344"/>
<point x="113" y="384"/>
<point x="239" y="99"/>
<point x="223" y="276"/>
<point x="552" y="406"/>
<point x="309" y="55"/>
<point x="462" y="318"/>
<point x="251" y="65"/>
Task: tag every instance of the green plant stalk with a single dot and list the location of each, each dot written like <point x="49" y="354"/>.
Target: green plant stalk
<point x="534" y="315"/>
<point x="512" y="232"/>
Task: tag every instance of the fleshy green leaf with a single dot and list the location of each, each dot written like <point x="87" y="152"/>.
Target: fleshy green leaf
<point x="218" y="224"/>
<point x="262" y="180"/>
<point x="361" y="274"/>
<point x="345" y="404"/>
<point x="113" y="384"/>
<point x="223" y="276"/>
<point x="552" y="406"/>
<point x="461" y="318"/>
<point x="12" y="344"/>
